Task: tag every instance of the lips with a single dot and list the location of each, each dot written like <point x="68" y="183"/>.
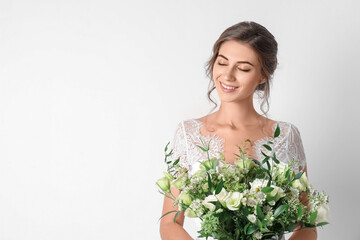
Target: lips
<point x="227" y="86"/>
<point x="227" y="89"/>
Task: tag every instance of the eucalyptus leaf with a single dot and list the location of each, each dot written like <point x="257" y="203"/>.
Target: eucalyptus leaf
<point x="267" y="147"/>
<point x="275" y="159"/>
<point x="266" y="159"/>
<point x="201" y="148"/>
<point x="257" y="162"/>
<point x="176" y="162"/>
<point x="277" y="131"/>
<point x="166" y="147"/>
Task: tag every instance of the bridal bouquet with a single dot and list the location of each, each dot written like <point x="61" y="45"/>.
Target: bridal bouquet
<point x="251" y="199"/>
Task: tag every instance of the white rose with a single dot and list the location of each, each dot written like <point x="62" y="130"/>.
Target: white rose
<point x="277" y="190"/>
<point x="223" y="196"/>
<point x="323" y="213"/>
<point x="234" y="201"/>
<point x="207" y="203"/>
<point x="252" y="218"/>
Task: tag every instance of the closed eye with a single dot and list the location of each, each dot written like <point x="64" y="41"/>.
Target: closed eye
<point x="244" y="70"/>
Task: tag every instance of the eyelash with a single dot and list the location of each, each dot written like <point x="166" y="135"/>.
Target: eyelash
<point x="238" y="68"/>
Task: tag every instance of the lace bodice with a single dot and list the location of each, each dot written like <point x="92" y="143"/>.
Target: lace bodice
<point x="287" y="146"/>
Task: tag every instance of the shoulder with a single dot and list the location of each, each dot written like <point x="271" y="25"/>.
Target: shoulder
<point x="290" y="131"/>
<point x="188" y="126"/>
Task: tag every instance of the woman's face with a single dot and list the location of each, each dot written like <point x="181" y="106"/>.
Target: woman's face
<point x="238" y="68"/>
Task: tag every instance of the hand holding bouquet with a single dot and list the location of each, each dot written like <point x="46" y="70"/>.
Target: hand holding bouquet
<point x="247" y="200"/>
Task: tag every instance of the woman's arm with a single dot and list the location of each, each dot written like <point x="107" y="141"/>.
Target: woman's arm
<point x="310" y="233"/>
<point x="168" y="229"/>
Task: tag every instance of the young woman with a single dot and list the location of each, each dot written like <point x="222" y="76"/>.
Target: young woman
<point x="243" y="62"/>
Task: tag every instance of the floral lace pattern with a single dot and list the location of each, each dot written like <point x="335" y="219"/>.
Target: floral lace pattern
<point x="287" y="146"/>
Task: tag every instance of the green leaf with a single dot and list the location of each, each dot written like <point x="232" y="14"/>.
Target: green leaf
<point x="280" y="209"/>
<point x="291" y="227"/>
<point x="271" y="198"/>
<point x="176" y="162"/>
<point x="251" y="229"/>
<point x="246" y="227"/>
<point x="219" y="187"/>
<point x="270" y="142"/>
<point x="245" y="211"/>
<point x="267" y="147"/>
<point x="321" y="224"/>
<point x="313" y="217"/>
<point x="260" y="213"/>
<point x="266" y="159"/>
<point x="277" y="131"/>
<point x="215" y="163"/>
<point x="209" y="182"/>
<point x="267" y="189"/>
<point x="257" y="162"/>
<point x="287" y="175"/>
<point x="298" y="175"/>
<point x="259" y="224"/>
<point x="275" y="159"/>
<point x="264" y="154"/>
<point x="166" y="147"/>
<point x="176" y="215"/>
<point x="167" y="214"/>
<point x="201" y="148"/>
<point x="300" y="212"/>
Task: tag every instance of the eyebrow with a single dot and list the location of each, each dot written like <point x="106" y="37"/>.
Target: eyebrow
<point x="237" y="61"/>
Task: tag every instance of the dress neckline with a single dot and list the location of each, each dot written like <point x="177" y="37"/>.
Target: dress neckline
<point x="256" y="143"/>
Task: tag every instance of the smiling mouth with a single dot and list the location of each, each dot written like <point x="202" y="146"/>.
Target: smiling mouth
<point x="227" y="86"/>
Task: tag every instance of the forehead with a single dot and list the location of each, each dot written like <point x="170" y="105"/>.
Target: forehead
<point x="235" y="51"/>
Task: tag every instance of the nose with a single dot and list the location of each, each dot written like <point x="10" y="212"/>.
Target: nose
<point x="228" y="74"/>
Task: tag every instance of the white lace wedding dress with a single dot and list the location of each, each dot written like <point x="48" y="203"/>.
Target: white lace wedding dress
<point x="287" y="146"/>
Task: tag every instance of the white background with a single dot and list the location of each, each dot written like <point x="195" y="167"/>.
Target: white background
<point x="91" y="92"/>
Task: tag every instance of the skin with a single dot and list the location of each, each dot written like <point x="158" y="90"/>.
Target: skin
<point x="235" y="121"/>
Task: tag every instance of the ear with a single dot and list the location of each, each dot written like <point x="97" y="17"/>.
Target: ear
<point x="262" y="81"/>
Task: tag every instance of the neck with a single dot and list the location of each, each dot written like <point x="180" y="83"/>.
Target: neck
<point x="237" y="114"/>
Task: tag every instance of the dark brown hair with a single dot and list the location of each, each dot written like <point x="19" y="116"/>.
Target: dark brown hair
<point x="263" y="42"/>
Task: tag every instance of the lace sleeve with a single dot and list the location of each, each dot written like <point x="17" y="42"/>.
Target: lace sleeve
<point x="296" y="149"/>
<point x="179" y="146"/>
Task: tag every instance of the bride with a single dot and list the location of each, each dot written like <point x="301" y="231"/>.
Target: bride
<point x="243" y="62"/>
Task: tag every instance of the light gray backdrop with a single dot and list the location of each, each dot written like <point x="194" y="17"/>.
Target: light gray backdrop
<point x="91" y="92"/>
